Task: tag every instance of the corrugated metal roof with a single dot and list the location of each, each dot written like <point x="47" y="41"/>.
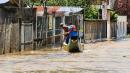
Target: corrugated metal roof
<point x="50" y="9"/>
<point x="3" y="1"/>
<point x="57" y="9"/>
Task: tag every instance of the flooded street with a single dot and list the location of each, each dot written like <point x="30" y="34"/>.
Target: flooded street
<point x="100" y="57"/>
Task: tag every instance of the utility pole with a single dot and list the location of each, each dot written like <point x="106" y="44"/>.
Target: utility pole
<point x="45" y="12"/>
<point x="20" y="23"/>
<point x="44" y="20"/>
<point x="106" y="16"/>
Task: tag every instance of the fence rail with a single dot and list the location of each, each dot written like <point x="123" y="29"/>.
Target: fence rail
<point x="30" y="39"/>
<point x="96" y="30"/>
<point x="10" y="37"/>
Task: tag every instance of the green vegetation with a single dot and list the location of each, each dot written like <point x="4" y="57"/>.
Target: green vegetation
<point x="91" y="11"/>
<point x="81" y="3"/>
<point x="113" y="16"/>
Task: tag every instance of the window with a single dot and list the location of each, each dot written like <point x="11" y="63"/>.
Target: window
<point x="58" y="20"/>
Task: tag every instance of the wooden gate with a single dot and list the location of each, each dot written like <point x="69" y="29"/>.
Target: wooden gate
<point x="26" y="36"/>
<point x="95" y="29"/>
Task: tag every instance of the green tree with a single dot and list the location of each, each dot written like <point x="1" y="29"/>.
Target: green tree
<point x="113" y="16"/>
<point x="92" y="12"/>
<point x="56" y="3"/>
<point x="81" y="3"/>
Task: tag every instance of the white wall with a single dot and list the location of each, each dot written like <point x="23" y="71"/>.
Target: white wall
<point x="121" y="27"/>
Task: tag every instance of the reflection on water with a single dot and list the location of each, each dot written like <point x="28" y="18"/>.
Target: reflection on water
<point x="44" y="71"/>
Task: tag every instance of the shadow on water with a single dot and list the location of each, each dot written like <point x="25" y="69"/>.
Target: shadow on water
<point x="44" y="71"/>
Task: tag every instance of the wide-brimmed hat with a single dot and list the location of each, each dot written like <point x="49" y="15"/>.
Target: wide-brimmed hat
<point x="61" y="24"/>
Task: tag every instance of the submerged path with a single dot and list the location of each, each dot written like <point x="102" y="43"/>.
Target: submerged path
<point x="100" y="57"/>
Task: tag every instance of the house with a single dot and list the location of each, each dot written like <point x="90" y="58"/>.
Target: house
<point x="122" y="8"/>
<point x="104" y="28"/>
<point x="12" y="21"/>
<point x="55" y="16"/>
<point x="9" y="10"/>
